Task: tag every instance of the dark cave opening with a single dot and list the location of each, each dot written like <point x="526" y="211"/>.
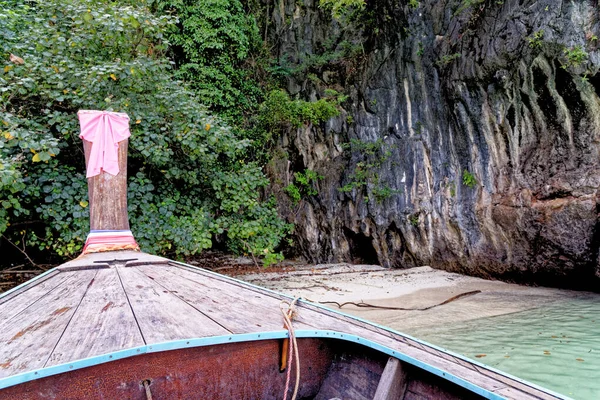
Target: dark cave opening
<point x="361" y="248"/>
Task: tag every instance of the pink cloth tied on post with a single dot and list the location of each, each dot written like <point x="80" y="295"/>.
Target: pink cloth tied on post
<point x="104" y="129"/>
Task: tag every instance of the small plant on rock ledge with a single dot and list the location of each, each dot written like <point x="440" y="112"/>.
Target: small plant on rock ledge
<point x="536" y="41"/>
<point x="574" y="56"/>
<point x="447" y="59"/>
<point x="414" y="219"/>
<point x="303" y="186"/>
<point x="468" y="179"/>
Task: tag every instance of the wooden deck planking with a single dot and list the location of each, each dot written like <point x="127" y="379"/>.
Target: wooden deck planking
<point x="13" y="306"/>
<point x="19" y="290"/>
<point x="222" y="301"/>
<point x="103" y="322"/>
<point x="27" y="345"/>
<point x="161" y="315"/>
<point x="225" y="309"/>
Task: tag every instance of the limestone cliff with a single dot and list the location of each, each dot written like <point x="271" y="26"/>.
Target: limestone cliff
<point x="470" y="139"/>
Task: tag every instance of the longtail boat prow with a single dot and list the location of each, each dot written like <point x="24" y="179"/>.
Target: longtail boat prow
<point x="117" y="323"/>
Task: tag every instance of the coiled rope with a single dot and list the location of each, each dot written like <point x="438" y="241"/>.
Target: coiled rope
<point x="288" y="315"/>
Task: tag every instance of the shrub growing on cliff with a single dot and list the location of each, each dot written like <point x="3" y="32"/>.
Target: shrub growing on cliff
<point x="82" y="54"/>
<point x="574" y="57"/>
<point x="468" y="179"/>
<point x="341" y="7"/>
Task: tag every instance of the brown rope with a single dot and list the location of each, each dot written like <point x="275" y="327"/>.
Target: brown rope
<point x="147" y="387"/>
<point x="367" y="305"/>
<point x="288" y="315"/>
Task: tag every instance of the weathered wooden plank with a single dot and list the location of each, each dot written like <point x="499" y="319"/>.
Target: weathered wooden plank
<point x="512" y="393"/>
<point x="516" y="387"/>
<point x="102" y="323"/>
<point x="4" y="297"/>
<point x="160" y="314"/>
<point x="235" y="309"/>
<point x="352" y="375"/>
<point x="27" y="345"/>
<point x="393" y="382"/>
<point x="28" y="295"/>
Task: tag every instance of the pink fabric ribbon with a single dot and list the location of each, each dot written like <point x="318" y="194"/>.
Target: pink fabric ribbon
<point x="105" y="130"/>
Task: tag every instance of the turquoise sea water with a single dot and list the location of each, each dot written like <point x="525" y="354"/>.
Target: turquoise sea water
<point x="556" y="346"/>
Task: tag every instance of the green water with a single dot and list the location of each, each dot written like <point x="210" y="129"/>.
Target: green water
<point x="556" y="346"/>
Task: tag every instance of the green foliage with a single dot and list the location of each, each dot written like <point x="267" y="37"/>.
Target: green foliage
<point x="384" y="192"/>
<point x="303" y="186"/>
<point x="468" y="179"/>
<point x="420" y="49"/>
<point x="190" y="181"/>
<point x="294" y="192"/>
<point x="340" y="8"/>
<point x="212" y="41"/>
<point x="279" y="110"/>
<point x="574" y="57"/>
<point x="414" y="219"/>
<point x="447" y="59"/>
<point x="413" y="3"/>
<point x="364" y="175"/>
<point x="536" y="41"/>
<point x="251" y="226"/>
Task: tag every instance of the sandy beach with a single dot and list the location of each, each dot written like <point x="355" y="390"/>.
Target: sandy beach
<point x="410" y="288"/>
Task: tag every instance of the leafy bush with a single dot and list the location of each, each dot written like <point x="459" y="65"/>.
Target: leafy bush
<point x="339" y="8"/>
<point x="447" y="59"/>
<point x="304" y="185"/>
<point x="212" y="41"/>
<point x="278" y="109"/>
<point x="83" y="54"/>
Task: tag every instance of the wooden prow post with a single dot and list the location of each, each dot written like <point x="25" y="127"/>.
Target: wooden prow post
<point x="105" y="145"/>
<point x="108" y="194"/>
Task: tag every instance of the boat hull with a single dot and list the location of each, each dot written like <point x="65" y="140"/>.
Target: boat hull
<point x="330" y="368"/>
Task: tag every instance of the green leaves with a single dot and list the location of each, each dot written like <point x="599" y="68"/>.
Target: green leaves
<point x="214" y="38"/>
<point x="189" y="183"/>
<point x="278" y="109"/>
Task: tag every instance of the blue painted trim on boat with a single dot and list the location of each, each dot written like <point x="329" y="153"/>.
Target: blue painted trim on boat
<point x="385" y="328"/>
<point x="236" y="338"/>
<point x="29" y="282"/>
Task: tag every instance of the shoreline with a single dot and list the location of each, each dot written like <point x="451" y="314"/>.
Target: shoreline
<point x="418" y="287"/>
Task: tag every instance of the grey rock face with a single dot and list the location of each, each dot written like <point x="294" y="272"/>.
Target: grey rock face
<point x="470" y="140"/>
